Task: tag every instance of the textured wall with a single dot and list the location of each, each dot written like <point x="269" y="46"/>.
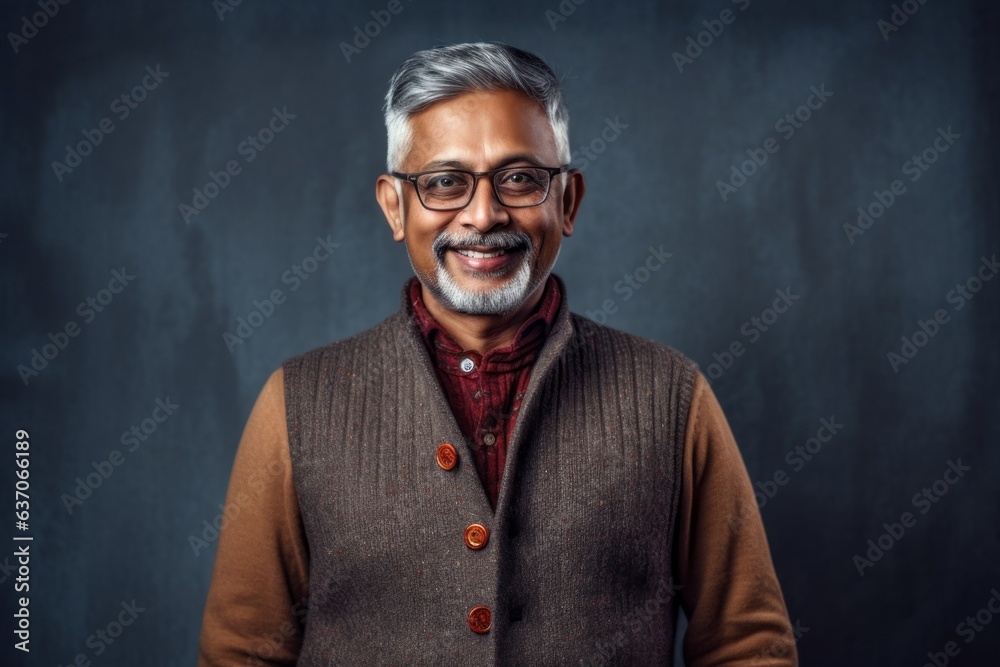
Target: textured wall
<point x="684" y="122"/>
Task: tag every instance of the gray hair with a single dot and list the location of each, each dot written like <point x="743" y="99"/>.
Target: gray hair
<point x="445" y="72"/>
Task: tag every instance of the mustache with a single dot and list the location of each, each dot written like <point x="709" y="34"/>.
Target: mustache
<point x="498" y="240"/>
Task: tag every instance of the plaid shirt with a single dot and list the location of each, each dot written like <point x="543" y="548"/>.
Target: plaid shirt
<point x="485" y="390"/>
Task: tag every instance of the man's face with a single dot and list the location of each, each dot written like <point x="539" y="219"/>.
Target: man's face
<point x="480" y="131"/>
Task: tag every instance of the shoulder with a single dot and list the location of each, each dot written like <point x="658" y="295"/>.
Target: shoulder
<point x="601" y="339"/>
<point x="381" y="334"/>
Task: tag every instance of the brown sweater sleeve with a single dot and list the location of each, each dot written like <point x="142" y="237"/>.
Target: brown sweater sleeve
<point x="729" y="589"/>
<point x="257" y="599"/>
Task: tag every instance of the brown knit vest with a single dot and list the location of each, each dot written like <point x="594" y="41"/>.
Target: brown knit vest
<point x="577" y="568"/>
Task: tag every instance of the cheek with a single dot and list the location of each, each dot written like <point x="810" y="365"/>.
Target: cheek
<point x="420" y="247"/>
<point x="547" y="239"/>
<point x="420" y="237"/>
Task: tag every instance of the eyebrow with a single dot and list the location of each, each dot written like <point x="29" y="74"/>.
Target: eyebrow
<point x="458" y="164"/>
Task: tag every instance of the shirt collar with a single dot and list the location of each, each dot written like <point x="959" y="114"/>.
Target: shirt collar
<point x="448" y="355"/>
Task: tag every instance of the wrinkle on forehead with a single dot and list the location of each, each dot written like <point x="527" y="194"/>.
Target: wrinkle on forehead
<point x="481" y="130"/>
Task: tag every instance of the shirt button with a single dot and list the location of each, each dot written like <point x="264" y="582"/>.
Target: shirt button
<point x="489" y="438"/>
<point x="476" y="536"/>
<point x="446" y="456"/>
<point x="467" y="365"/>
<point x="480" y="619"/>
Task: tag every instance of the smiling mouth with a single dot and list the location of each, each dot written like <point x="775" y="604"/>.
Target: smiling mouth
<point x="487" y="261"/>
<point x="468" y="252"/>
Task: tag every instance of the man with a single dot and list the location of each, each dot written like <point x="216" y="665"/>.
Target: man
<point x="485" y="477"/>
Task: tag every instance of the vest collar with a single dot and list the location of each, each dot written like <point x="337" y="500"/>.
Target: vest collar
<point x="554" y="346"/>
<point x="520" y="352"/>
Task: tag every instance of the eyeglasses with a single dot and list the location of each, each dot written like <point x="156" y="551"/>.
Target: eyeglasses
<point x="453" y="189"/>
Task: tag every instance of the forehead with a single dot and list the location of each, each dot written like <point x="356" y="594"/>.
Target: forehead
<point x="480" y="130"/>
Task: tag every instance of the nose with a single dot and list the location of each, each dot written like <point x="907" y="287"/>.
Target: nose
<point x="484" y="212"/>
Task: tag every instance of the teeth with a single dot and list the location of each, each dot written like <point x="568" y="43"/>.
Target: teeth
<point x="479" y="255"/>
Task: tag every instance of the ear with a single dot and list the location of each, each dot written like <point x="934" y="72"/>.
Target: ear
<point x="571" y="198"/>
<point x="392" y="207"/>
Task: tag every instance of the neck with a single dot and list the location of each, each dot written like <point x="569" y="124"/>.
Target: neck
<point x="482" y="332"/>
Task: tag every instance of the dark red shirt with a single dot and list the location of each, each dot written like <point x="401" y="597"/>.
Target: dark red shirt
<point x="485" y="391"/>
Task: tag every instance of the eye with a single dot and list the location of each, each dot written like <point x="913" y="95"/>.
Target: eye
<point x="520" y="179"/>
<point x="443" y="182"/>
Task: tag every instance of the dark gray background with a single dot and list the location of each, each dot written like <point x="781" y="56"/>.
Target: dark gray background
<point x="654" y="185"/>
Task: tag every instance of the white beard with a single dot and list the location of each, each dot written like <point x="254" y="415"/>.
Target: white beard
<point x="499" y="301"/>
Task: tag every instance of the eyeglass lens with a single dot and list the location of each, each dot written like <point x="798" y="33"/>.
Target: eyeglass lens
<point x="518" y="186"/>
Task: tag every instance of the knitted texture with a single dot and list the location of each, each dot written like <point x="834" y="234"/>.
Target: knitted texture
<point x="577" y="569"/>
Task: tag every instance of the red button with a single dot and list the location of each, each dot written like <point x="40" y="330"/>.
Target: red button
<point x="480" y="619"/>
<point x="447" y="457"/>
<point x="476" y="536"/>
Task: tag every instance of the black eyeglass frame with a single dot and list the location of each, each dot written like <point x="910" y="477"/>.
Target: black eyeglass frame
<point x="476" y="175"/>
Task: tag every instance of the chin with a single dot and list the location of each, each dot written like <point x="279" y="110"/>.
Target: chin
<point x="499" y="299"/>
